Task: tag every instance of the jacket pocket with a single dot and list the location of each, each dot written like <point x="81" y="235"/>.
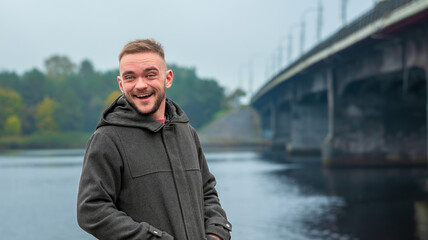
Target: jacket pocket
<point x="148" y="162"/>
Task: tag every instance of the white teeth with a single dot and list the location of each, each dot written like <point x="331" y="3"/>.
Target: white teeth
<point x="141" y="96"/>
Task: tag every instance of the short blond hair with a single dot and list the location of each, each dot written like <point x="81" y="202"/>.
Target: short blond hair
<point x="142" y="45"/>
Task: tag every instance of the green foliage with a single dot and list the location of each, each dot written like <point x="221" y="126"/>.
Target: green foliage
<point x="46" y="110"/>
<point x="86" y="69"/>
<point x="45" y="140"/>
<point x="199" y="98"/>
<point x="13" y="126"/>
<point x="233" y="99"/>
<point x="28" y="120"/>
<point x="9" y="80"/>
<point x="34" y="87"/>
<point x="70" y="116"/>
<point x="11" y="105"/>
<point x="59" y="67"/>
<point x="37" y="107"/>
<point x="111" y="97"/>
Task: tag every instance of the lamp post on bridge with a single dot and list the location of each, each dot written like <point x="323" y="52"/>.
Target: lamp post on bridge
<point x="290" y="47"/>
<point x="289" y="39"/>
<point x="343" y="11"/>
<point x="289" y="42"/>
<point x="251" y="74"/>
<point x="319" y="21"/>
<point x="302" y="26"/>
<point x="319" y="10"/>
<point x="277" y="63"/>
<point x="280" y="51"/>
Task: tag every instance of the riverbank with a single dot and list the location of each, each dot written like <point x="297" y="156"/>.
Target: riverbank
<point x="237" y="129"/>
<point x="45" y="141"/>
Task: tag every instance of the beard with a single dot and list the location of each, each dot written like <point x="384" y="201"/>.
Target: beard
<point x="160" y="97"/>
<point x="158" y="102"/>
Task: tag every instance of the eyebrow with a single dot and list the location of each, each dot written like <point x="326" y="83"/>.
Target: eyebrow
<point x="145" y="70"/>
<point x="151" y="69"/>
<point x="128" y="72"/>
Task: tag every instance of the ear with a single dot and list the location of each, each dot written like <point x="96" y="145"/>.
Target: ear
<point x="169" y="77"/>
<point x="119" y="80"/>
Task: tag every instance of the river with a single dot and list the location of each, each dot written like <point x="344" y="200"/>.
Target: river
<point x="264" y="199"/>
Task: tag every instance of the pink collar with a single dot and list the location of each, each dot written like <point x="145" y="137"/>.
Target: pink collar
<point x="162" y="120"/>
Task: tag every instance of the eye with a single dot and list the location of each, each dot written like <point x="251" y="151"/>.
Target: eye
<point x="129" y="78"/>
<point x="151" y="75"/>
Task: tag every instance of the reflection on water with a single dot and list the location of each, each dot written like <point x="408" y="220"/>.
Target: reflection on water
<point x="264" y="203"/>
<point x="378" y="203"/>
<point x="263" y="199"/>
<point x="270" y="200"/>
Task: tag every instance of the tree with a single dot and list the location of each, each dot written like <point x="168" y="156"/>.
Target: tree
<point x="70" y="117"/>
<point x="13" y="126"/>
<point x="59" y="67"/>
<point x="86" y="69"/>
<point x="29" y="120"/>
<point x="99" y="86"/>
<point x="200" y="98"/>
<point x="45" y="121"/>
<point x="11" y="104"/>
<point x="63" y="99"/>
<point x="33" y="87"/>
<point x="233" y="99"/>
<point x="111" y="97"/>
<point x="9" y="80"/>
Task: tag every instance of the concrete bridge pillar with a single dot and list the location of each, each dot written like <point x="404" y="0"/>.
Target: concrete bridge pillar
<point x="309" y="121"/>
<point x="282" y="127"/>
<point x="327" y="145"/>
<point x="269" y="121"/>
<point x="266" y="128"/>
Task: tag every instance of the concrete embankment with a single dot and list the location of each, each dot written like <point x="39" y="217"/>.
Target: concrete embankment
<point x="237" y="128"/>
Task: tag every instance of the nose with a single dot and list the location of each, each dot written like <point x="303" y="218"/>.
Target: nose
<point x="141" y="84"/>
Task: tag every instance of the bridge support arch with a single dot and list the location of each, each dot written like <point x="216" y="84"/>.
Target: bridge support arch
<point x="378" y="121"/>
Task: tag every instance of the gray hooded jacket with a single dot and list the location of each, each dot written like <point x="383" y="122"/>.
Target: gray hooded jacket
<point x="142" y="179"/>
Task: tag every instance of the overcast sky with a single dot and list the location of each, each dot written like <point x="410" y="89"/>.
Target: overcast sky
<point x="218" y="37"/>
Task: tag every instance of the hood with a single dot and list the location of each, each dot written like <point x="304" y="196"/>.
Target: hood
<point x="122" y="113"/>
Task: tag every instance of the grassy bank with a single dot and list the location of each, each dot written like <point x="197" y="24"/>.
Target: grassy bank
<point x="45" y="141"/>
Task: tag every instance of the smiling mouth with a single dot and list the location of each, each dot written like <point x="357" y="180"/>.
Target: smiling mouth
<point x="144" y="96"/>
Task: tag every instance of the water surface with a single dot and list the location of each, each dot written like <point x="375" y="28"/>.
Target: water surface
<point x="264" y="199"/>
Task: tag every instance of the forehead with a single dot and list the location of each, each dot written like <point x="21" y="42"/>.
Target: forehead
<point x="140" y="61"/>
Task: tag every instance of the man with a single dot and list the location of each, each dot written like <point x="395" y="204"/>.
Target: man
<point x="144" y="174"/>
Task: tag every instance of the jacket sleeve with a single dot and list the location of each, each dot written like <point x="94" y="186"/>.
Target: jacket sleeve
<point x="215" y="217"/>
<point x="99" y="187"/>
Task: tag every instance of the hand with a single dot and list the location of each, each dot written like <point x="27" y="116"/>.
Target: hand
<point x="214" y="236"/>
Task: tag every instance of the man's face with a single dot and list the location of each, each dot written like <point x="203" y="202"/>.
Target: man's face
<point x="143" y="79"/>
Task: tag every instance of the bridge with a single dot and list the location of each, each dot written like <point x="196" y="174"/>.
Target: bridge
<point x="360" y="96"/>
